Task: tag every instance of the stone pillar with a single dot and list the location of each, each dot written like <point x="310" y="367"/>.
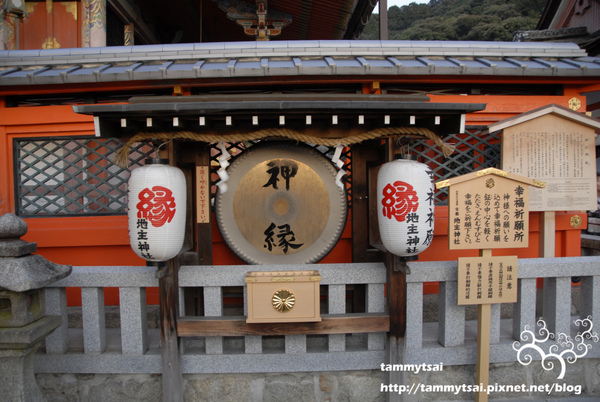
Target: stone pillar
<point x="23" y="323"/>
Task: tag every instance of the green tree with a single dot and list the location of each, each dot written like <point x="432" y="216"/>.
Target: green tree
<point x="459" y="20"/>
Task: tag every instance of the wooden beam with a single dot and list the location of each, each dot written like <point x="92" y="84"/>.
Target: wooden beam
<point x="236" y="326"/>
<point x="131" y="15"/>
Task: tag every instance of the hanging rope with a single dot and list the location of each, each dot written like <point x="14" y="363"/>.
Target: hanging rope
<point x="122" y="156"/>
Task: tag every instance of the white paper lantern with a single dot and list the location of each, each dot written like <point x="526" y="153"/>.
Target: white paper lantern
<point x="405" y="209"/>
<point x="157" y="204"/>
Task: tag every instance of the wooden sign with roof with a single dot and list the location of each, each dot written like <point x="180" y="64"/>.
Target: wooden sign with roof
<point x="556" y="145"/>
<point x="488" y="209"/>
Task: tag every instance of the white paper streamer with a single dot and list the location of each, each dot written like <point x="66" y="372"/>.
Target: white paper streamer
<point x="339" y="163"/>
<point x="222" y="172"/>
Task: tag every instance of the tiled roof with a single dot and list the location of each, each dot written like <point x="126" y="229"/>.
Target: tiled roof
<point x="293" y="58"/>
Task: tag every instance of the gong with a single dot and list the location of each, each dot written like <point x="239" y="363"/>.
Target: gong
<point x="282" y="205"/>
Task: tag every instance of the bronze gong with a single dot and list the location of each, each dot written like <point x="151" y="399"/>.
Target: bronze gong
<point x="283" y="205"/>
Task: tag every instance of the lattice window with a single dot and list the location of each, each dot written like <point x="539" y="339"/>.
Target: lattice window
<point x="72" y="176"/>
<point x="76" y="176"/>
<point x="475" y="150"/>
<point x="235" y="149"/>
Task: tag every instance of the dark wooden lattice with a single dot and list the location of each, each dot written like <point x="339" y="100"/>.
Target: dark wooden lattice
<point x="475" y="150"/>
<point x="72" y="176"/>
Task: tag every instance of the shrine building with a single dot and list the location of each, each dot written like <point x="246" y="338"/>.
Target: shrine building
<point x="90" y="89"/>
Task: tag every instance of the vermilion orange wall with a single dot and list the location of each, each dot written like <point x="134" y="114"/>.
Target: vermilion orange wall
<point x="58" y="26"/>
<point x="500" y="107"/>
<point x="101" y="241"/>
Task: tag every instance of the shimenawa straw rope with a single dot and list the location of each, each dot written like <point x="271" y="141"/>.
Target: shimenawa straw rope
<point x="122" y="156"/>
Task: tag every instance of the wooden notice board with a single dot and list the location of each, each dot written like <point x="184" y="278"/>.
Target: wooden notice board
<point x="488" y="210"/>
<point x="559" y="152"/>
<point x="202" y="194"/>
<point x="485" y="280"/>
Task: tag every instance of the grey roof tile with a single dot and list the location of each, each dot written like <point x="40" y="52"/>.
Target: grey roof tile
<point x="249" y="59"/>
<point x="315" y="63"/>
<point x="181" y="67"/>
<point x="214" y="66"/>
<point x="209" y="46"/>
<point x="116" y="69"/>
<point x="181" y="47"/>
<point x="22" y="53"/>
<point x="86" y="51"/>
<point x="120" y="50"/>
<point x="302" y="44"/>
<point x="54" y="52"/>
<point x="281" y="64"/>
<point x="271" y="44"/>
<point x="145" y="48"/>
<point x="240" y="45"/>
<point x="335" y="43"/>
<point x="248" y="64"/>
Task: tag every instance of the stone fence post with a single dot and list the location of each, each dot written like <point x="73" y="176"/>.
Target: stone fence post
<point x="23" y="320"/>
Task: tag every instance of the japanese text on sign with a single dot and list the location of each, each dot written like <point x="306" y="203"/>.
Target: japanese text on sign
<point x="558" y="152"/>
<point x="202" y="194"/>
<point x="487" y="213"/>
<point x="486" y="280"/>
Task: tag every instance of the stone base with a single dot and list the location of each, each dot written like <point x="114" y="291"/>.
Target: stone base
<point x="583" y="378"/>
<point x="18" y="382"/>
<point x="17" y="348"/>
<point x="356" y="386"/>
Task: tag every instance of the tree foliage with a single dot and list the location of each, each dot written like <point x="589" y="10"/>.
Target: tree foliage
<point x="478" y="20"/>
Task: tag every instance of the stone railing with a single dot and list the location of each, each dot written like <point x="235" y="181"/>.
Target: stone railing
<point x="452" y="338"/>
<point x="354" y="341"/>
<point x="229" y="345"/>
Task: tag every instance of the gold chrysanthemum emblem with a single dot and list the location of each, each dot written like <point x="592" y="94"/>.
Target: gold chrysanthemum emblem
<point x="283" y="300"/>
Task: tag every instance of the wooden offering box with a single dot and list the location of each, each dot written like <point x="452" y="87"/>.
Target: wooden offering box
<point x="290" y="296"/>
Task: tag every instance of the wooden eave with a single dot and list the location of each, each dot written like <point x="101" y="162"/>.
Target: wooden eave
<point x="486" y="172"/>
<point x="545" y="110"/>
<point x="240" y="113"/>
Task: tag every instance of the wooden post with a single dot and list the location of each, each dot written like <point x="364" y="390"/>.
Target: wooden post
<point x="483" y="344"/>
<point x="547" y="249"/>
<point x="396" y="299"/>
<point x="168" y="290"/>
<point x="396" y="295"/>
<point x="383" y="20"/>
<point x="483" y="351"/>
<point x="547" y="234"/>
